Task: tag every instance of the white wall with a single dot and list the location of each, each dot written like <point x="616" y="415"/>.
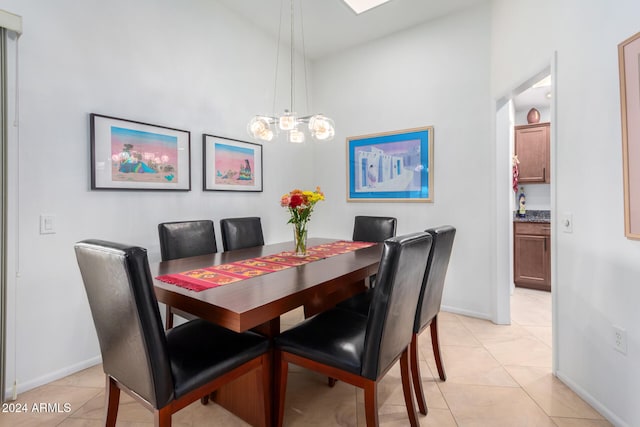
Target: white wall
<point x="596" y="267"/>
<point x="434" y="74"/>
<point x="166" y="63"/>
<point x="520" y="42"/>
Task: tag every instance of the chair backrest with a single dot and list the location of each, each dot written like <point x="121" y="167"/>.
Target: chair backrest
<point x="393" y="304"/>
<point x="184" y="239"/>
<point x="373" y="228"/>
<point x="126" y="317"/>
<point x="239" y="233"/>
<point x="433" y="283"/>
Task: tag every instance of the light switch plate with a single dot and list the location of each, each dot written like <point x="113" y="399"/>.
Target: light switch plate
<point x="566" y="222"/>
<point x="47" y="224"/>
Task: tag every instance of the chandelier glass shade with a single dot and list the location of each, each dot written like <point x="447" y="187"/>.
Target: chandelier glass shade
<point x="265" y="127"/>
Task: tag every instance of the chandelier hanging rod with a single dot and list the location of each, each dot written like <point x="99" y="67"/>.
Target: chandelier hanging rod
<point x="265" y="127"/>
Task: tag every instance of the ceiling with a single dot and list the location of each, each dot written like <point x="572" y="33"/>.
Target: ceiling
<point x="533" y="97"/>
<point x="330" y="26"/>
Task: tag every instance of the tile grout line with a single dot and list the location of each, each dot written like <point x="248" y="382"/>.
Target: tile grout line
<point x="520" y="386"/>
<point x="435" y="380"/>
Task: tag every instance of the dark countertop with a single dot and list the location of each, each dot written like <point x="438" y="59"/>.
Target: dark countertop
<point x="533" y="216"/>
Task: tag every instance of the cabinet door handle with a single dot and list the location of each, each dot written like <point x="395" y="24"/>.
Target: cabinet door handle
<point x="544" y="174"/>
<point x="545" y="245"/>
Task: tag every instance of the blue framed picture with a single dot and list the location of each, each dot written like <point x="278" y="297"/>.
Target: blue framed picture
<point x="391" y="166"/>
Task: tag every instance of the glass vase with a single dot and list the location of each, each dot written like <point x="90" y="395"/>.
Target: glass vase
<point x="300" y="239"/>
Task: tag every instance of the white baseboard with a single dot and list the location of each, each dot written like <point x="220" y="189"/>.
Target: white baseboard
<point x="53" y="376"/>
<point x="595" y="404"/>
<point x="469" y="313"/>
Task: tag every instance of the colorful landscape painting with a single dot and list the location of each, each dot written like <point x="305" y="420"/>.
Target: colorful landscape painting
<point x="143" y="156"/>
<point x="391" y="166"/>
<point x="234" y="165"/>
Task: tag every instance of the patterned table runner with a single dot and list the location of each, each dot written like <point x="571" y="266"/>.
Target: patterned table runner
<point x="218" y="275"/>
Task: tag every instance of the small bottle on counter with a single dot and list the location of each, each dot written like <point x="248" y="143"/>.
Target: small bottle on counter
<point x="522" y="202"/>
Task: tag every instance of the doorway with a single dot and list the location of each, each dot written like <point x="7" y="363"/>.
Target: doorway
<point x="531" y="186"/>
<point x="536" y="92"/>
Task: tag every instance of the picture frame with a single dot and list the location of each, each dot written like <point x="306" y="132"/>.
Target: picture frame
<point x="231" y="164"/>
<point x="392" y="166"/>
<point x="629" y="65"/>
<point x="132" y="155"/>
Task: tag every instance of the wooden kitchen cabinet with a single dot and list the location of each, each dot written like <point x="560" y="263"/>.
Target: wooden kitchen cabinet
<point x="532" y="149"/>
<point x="532" y="255"/>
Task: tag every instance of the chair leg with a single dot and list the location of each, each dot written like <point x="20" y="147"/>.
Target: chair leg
<point x="162" y="417"/>
<point x="168" y="318"/>
<point x="435" y="343"/>
<point x="416" y="376"/>
<point x="282" y="370"/>
<point x="371" y="403"/>
<point x="113" y="399"/>
<point x="406" y="388"/>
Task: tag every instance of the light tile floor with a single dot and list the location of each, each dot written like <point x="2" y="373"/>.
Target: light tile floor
<point x="496" y="376"/>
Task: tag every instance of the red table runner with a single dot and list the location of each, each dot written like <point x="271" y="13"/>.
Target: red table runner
<point x="218" y="275"/>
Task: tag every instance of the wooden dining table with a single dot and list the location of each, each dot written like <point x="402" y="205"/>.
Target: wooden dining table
<point x="258" y="302"/>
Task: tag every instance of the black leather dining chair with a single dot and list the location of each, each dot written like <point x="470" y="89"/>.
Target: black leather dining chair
<point x="183" y="239"/>
<point x="164" y="371"/>
<point x="428" y="307"/>
<point x="373" y="228"/>
<point x="359" y="349"/>
<point x="240" y="233"/>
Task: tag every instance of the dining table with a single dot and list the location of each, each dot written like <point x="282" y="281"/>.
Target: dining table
<point x="256" y="303"/>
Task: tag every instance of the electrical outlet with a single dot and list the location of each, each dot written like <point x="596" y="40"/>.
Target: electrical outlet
<point x="620" y="339"/>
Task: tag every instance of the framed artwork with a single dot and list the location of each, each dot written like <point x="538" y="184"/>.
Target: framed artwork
<point x="629" y="62"/>
<point x="231" y="164"/>
<point x="130" y="155"/>
<point x="391" y="167"/>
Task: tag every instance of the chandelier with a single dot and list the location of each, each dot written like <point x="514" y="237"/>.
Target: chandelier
<point x="265" y="127"/>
